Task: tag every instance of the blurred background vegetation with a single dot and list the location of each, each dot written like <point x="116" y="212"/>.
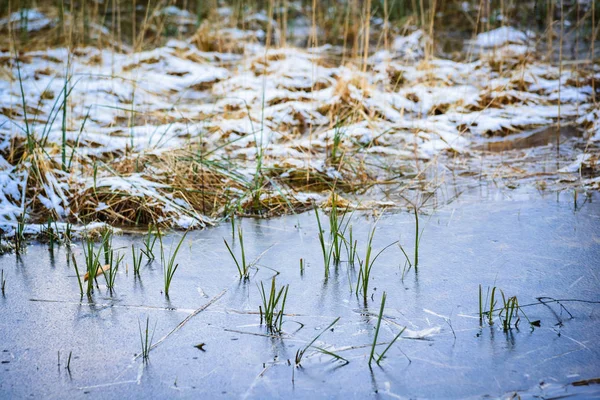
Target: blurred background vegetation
<point x="143" y="24"/>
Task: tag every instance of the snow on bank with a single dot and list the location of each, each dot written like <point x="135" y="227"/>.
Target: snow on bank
<point x="504" y="43"/>
<point x="502" y="36"/>
<point x="30" y="20"/>
<point x="288" y="105"/>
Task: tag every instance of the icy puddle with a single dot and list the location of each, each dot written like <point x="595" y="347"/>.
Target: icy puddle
<point x="209" y="341"/>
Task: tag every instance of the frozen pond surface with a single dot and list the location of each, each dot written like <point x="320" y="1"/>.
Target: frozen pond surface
<point x="184" y="118"/>
<point x="525" y="243"/>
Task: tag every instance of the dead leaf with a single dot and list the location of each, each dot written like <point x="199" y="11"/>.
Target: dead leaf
<point x="99" y="271"/>
<point x="200" y="346"/>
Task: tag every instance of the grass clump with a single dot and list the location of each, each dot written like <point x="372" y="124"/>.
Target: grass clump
<point x="337" y="229"/>
<point x="92" y="265"/>
<point x="508" y="313"/>
<point x="336" y="241"/>
<point x="54" y="235"/>
<point x="19" y="239"/>
<point x="273" y="306"/>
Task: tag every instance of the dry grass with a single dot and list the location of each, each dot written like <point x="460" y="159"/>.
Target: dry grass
<point x="199" y="186"/>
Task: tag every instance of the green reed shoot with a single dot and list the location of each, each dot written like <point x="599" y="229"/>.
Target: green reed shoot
<point x="77" y="273"/>
<point x="68" y="234"/>
<point x="326" y="250"/>
<point x="106" y="245"/>
<point x="273" y="306"/>
<point x="149" y="242"/>
<point x="68" y="367"/>
<point x="338" y="134"/>
<point x="480" y="306"/>
<point x="49" y="232"/>
<point x="382" y="355"/>
<point x="146" y="338"/>
<point x="415" y="261"/>
<point x="332" y="354"/>
<point x="366" y="265"/>
<point x="92" y="263"/>
<point x="137" y="260"/>
<point x="351" y="245"/>
<point x="492" y="306"/>
<point x="242" y="266"/>
<point x="337" y="229"/>
<point x="334" y="227"/>
<point x="509" y="312"/>
<point x="417" y="238"/>
<point x="490" y="302"/>
<point x="372" y="355"/>
<point x="336" y="241"/>
<point x="379" y="318"/>
<point x="113" y="262"/>
<point x="300" y="352"/>
<point x="168" y="262"/>
<point x="20" y="234"/>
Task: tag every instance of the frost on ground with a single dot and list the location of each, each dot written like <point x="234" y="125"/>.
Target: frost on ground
<point x="180" y="136"/>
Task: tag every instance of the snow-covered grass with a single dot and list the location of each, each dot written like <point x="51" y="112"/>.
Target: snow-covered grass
<point x="179" y="136"/>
